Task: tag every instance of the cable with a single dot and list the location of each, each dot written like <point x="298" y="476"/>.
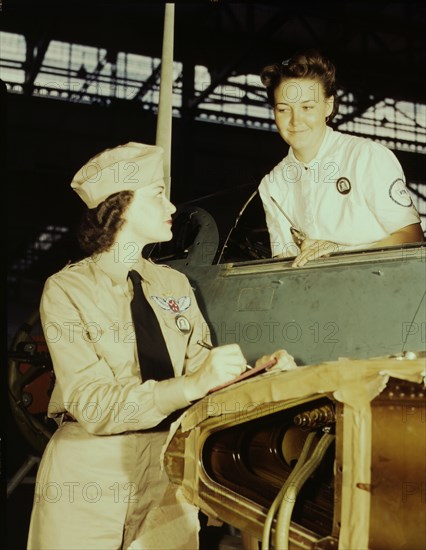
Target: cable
<point x="235" y="224"/>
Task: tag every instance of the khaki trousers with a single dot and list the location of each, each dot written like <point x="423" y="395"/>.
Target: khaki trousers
<point x="93" y="492"/>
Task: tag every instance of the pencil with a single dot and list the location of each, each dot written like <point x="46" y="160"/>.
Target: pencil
<point x="204" y="344"/>
<point x="209" y="346"/>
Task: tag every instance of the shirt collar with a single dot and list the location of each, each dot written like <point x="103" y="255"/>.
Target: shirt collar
<point x="321" y="151"/>
<point x="118" y="271"/>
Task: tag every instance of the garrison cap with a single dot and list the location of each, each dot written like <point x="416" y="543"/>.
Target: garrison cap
<point x="122" y="168"/>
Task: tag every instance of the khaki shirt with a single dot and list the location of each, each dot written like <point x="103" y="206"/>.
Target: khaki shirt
<point x="86" y="319"/>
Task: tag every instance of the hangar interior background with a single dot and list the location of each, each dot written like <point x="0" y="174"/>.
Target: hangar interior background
<point x="78" y="77"/>
<point x="84" y="76"/>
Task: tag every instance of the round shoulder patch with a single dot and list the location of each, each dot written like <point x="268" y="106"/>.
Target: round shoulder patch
<point x="343" y="185"/>
<point x="399" y="193"/>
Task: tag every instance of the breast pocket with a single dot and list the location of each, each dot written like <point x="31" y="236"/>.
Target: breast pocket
<point x="113" y="339"/>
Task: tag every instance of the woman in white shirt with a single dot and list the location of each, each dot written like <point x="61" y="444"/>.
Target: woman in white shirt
<point x="332" y="192"/>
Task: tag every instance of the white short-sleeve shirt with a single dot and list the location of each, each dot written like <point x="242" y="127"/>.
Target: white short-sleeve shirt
<point x="353" y="193"/>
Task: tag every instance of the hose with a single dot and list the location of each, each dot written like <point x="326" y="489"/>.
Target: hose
<point x="272" y="510"/>
<point x="282" y="529"/>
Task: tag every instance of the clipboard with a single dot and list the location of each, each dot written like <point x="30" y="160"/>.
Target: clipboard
<point x="246" y="374"/>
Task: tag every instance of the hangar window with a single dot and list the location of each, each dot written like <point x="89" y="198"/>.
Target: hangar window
<point x="85" y="74"/>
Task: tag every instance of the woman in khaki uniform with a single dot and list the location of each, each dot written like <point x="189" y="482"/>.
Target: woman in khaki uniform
<point x="101" y="473"/>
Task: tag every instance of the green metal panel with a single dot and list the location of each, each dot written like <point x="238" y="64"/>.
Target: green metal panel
<point x="357" y="305"/>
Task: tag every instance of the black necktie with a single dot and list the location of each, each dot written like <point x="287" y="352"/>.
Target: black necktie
<point x="154" y="358"/>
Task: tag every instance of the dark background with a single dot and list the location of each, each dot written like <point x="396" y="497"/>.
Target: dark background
<point x="379" y="49"/>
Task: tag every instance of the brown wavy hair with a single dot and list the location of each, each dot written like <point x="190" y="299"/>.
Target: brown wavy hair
<point x="310" y="64"/>
<point x="99" y="226"/>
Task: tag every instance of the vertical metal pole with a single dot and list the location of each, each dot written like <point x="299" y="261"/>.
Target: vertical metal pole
<point x="164" y="119"/>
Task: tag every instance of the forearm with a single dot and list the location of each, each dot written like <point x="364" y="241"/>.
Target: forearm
<point x="409" y="234"/>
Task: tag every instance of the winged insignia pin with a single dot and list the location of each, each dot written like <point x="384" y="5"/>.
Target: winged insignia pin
<point x="174" y="305"/>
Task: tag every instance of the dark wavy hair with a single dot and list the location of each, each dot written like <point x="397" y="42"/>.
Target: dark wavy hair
<point x="310" y="64"/>
<point x="99" y="226"/>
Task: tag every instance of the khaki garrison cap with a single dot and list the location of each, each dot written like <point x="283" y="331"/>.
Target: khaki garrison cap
<point x="126" y="167"/>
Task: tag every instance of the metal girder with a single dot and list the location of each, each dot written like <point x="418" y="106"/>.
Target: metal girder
<point x="148" y="84"/>
<point x="361" y="106"/>
<point x="91" y="77"/>
<point x="36" y="50"/>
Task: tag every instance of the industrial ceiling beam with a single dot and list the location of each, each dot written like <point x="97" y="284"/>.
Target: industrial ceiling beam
<point x="35" y="52"/>
<point x="149" y="83"/>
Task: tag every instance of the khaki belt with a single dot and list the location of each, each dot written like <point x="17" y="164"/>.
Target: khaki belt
<point x="161" y="427"/>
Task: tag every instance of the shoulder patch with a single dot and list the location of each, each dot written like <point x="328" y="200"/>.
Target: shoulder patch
<point x="398" y="192"/>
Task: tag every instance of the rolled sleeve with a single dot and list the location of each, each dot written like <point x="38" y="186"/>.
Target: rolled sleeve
<point x="387" y="195"/>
